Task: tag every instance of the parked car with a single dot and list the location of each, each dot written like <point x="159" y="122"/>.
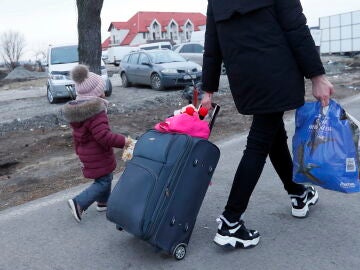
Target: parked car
<point x="190" y="51"/>
<point x="105" y="56"/>
<point x="193" y="51"/>
<point x="159" y="69"/>
<point x="61" y="60"/>
<point x="198" y="37"/>
<point x="156" y="45"/>
<point x="116" y="53"/>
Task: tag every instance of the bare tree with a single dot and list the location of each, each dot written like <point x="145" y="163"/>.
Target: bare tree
<point x="40" y="55"/>
<point x="89" y="31"/>
<point x="12" y="45"/>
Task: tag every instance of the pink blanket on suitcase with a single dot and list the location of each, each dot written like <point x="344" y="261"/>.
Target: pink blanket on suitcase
<point x="185" y="123"/>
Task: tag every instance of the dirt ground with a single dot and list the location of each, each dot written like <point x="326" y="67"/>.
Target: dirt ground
<point x="36" y="163"/>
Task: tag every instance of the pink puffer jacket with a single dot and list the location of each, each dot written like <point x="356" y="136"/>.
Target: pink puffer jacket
<point x="93" y="139"/>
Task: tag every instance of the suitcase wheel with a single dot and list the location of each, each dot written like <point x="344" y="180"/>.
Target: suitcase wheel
<point x="180" y="251"/>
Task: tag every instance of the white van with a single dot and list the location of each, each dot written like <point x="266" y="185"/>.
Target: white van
<point x="116" y="53"/>
<point x="156" y="45"/>
<point x="61" y="60"/>
<point x="198" y="37"/>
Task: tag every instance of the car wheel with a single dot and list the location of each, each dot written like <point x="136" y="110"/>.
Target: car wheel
<point x="109" y="90"/>
<point x="156" y="82"/>
<point x="50" y="96"/>
<point x="124" y="80"/>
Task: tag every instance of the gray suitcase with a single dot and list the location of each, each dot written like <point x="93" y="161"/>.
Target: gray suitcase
<point x="160" y="192"/>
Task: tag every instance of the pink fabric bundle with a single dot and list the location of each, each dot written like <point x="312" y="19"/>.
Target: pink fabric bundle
<point x="187" y="124"/>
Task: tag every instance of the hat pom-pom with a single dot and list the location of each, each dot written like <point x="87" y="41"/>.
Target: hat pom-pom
<point x="79" y="73"/>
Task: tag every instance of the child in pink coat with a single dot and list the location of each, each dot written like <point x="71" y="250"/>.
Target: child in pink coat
<point x="93" y="139"/>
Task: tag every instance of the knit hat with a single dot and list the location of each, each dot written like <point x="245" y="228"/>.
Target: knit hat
<point x="87" y="84"/>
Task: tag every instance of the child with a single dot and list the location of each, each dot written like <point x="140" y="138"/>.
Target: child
<point x="93" y="139"/>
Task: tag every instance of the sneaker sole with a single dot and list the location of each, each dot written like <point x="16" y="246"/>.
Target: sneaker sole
<point x="73" y="210"/>
<point x="303" y="213"/>
<point x="227" y="241"/>
<point x="101" y="209"/>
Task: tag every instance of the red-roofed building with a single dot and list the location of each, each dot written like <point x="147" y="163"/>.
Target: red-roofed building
<point x="106" y="44"/>
<point x="146" y="27"/>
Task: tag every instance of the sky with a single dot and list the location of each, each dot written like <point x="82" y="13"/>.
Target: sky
<point x="44" y="22"/>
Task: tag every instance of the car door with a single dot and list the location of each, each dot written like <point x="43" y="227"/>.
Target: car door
<point x="144" y="69"/>
<point x="132" y="67"/>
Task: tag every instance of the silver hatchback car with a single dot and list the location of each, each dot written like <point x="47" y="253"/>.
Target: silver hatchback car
<point x="160" y="69"/>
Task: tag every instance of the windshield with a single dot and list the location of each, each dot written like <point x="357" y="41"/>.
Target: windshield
<point x="165" y="56"/>
<point x="64" y="55"/>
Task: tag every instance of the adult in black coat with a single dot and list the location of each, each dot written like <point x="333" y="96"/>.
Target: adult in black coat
<point x="267" y="50"/>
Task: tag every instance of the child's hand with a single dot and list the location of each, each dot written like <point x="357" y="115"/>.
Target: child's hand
<point x="128" y="149"/>
<point x="129" y="141"/>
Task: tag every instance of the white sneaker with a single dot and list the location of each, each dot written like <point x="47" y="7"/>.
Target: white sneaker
<point x="301" y="203"/>
<point x="235" y="234"/>
<point x="101" y="208"/>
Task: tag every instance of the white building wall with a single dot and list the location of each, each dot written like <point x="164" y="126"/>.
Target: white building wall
<point x="138" y="39"/>
<point x="340" y="33"/>
<point x="202" y="27"/>
<point x="117" y="36"/>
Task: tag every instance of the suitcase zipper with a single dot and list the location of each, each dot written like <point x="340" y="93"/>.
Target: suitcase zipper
<point x="167" y="193"/>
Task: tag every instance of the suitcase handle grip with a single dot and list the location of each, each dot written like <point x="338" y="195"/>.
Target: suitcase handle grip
<point x="214" y="114"/>
<point x="215" y="111"/>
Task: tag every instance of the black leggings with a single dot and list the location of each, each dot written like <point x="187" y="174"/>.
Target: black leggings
<point x="267" y="136"/>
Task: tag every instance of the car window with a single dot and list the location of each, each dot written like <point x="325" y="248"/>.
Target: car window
<point x="166" y="47"/>
<point x="197" y="48"/>
<point x="126" y="58"/>
<point x="133" y="59"/>
<point x="165" y="56"/>
<point x="150" y="48"/>
<point x="143" y="58"/>
<point x="186" y="48"/>
<point x="64" y="55"/>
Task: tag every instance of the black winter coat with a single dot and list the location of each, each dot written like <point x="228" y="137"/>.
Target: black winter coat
<point x="267" y="50"/>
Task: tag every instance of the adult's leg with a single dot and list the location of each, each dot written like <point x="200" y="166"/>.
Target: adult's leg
<point x="259" y="141"/>
<point x="281" y="159"/>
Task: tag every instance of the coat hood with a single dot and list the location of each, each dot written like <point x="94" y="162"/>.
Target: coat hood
<point x="80" y="110"/>
<point x="224" y="9"/>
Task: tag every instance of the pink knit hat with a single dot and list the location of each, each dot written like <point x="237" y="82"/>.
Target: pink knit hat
<point x="87" y="84"/>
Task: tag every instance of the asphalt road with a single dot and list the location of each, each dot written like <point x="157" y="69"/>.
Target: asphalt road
<point x="43" y="235"/>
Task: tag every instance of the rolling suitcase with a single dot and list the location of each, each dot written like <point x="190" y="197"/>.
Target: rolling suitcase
<point x="160" y="192"/>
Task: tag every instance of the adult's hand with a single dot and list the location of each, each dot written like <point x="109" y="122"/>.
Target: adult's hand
<point x="322" y="89"/>
<point x="207" y="100"/>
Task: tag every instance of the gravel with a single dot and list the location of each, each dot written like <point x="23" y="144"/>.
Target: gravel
<point x="20" y="73"/>
<point x="122" y="103"/>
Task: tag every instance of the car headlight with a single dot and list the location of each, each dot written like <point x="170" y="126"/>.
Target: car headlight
<point x="169" y="71"/>
<point x="57" y="77"/>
